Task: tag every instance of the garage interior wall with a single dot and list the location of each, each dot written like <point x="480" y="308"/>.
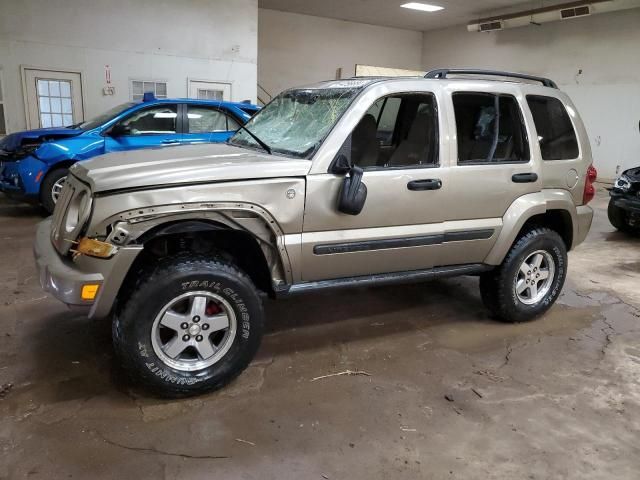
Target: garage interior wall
<point x="163" y="40"/>
<point x="296" y="49"/>
<point x="594" y="59"/>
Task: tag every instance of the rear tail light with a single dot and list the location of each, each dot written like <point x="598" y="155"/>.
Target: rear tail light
<point x="589" y="188"/>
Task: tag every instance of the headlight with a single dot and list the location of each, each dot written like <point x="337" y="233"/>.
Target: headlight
<point x="78" y="211"/>
<point x="25" y="150"/>
<point x="623" y="183"/>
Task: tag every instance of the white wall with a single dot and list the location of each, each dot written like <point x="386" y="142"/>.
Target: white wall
<point x="607" y="93"/>
<point x="165" y="40"/>
<point x="295" y="49"/>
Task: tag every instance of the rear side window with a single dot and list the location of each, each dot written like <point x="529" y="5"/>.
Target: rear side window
<point x="490" y="129"/>
<point x="555" y="131"/>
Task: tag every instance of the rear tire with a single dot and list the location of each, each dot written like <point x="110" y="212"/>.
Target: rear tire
<point x="51" y="188"/>
<point x="530" y="278"/>
<point x="180" y="305"/>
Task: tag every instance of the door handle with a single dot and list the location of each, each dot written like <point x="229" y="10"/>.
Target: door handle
<point x="524" y="178"/>
<point x="170" y="142"/>
<point x="426" y="184"/>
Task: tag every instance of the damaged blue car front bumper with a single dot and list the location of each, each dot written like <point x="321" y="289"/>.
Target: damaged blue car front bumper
<point x="22" y="178"/>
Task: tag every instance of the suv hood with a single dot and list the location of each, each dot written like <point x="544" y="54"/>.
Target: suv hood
<point x="13" y="142"/>
<point x="186" y="164"/>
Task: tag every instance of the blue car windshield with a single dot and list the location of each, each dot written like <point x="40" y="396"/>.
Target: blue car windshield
<point x="296" y="122"/>
<point x="103" y="118"/>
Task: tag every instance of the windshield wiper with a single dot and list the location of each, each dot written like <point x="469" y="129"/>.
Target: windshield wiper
<point x="266" y="147"/>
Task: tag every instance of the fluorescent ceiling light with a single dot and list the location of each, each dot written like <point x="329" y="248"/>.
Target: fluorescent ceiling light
<point x="423" y="7"/>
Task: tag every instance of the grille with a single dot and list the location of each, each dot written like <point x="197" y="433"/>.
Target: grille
<point x="71" y="214"/>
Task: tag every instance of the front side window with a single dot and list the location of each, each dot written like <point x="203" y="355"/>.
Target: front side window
<point x="490" y="129"/>
<point x="208" y="119"/>
<point x="400" y="131"/>
<point x="556" y="135"/>
<point x="161" y="119"/>
<point x="296" y="122"/>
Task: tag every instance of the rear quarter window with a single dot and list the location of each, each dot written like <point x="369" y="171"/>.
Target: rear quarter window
<point x="556" y="134"/>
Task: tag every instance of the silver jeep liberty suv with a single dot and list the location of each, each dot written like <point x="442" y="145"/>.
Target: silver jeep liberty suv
<point x="344" y="183"/>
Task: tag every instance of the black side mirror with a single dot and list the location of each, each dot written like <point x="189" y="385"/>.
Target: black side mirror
<point x="119" y="130"/>
<point x="353" y="193"/>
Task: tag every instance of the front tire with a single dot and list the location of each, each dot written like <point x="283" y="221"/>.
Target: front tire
<point x="52" y="187"/>
<point x="529" y="280"/>
<point x="190" y="326"/>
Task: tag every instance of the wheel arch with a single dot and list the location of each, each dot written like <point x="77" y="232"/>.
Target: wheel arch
<point x="238" y="246"/>
<point x="243" y="235"/>
<point x="553" y="209"/>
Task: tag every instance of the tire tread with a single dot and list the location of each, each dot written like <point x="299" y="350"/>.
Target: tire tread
<point x="495" y="286"/>
<point x="148" y="275"/>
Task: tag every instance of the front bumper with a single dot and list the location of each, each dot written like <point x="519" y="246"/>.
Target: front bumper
<point x="64" y="278"/>
<point x="21" y="179"/>
<point x="629" y="202"/>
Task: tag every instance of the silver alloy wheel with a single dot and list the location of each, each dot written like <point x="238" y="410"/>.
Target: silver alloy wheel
<point x="56" y="189"/>
<point x="535" y="277"/>
<point x="193" y="331"/>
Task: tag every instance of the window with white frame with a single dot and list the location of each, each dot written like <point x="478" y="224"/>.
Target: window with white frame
<point x="140" y="87"/>
<point x="210" y="94"/>
<point x="54" y="103"/>
<point x="3" y="123"/>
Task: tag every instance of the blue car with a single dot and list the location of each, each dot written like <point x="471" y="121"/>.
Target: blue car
<point x="34" y="163"/>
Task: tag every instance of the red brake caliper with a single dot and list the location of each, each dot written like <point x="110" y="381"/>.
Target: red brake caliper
<point x="212" y="309"/>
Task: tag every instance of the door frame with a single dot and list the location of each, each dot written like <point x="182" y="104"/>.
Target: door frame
<point x="25" y="100"/>
<point x="204" y="80"/>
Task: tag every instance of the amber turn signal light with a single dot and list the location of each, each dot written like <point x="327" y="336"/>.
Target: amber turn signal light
<point x="89" y="291"/>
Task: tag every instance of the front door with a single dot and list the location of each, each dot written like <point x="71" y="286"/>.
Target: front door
<point x="203" y="90"/>
<point x="52" y="98"/>
<point x="152" y="126"/>
<point x="401" y="226"/>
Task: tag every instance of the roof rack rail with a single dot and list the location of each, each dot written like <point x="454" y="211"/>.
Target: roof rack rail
<point x="442" y="74"/>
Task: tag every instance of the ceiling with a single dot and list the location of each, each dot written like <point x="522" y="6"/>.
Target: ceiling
<point x="388" y="12"/>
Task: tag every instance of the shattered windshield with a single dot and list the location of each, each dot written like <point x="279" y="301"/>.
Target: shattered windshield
<point x="297" y="121"/>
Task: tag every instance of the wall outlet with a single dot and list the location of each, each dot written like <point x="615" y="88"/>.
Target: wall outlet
<point x="108" y="90"/>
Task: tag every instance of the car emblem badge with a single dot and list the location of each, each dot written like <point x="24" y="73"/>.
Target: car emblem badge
<point x="291" y="194"/>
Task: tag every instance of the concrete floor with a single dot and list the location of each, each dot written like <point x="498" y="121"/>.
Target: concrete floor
<point x="554" y="398"/>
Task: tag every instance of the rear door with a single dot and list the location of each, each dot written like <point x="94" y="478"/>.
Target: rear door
<point x="491" y="167"/>
<point x="151" y="126"/>
<point x="206" y="123"/>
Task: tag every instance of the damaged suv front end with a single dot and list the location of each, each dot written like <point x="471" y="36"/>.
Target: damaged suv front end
<point x="624" y="205"/>
<point x="83" y="273"/>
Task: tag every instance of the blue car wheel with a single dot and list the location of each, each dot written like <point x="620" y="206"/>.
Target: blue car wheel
<point x="52" y="187"/>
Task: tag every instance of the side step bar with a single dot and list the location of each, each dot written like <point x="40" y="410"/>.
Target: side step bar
<point x="413" y="276"/>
